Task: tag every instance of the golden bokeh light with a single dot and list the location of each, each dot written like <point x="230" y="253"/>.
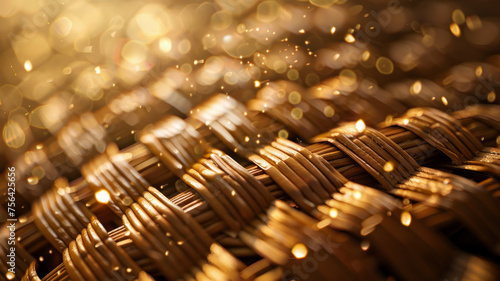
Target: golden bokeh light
<point x="405" y="218"/>
<point x="360" y="126"/>
<point x="102" y="196"/>
<point x="299" y="251"/>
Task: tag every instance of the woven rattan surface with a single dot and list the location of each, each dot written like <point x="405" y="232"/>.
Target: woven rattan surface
<point x="250" y="140"/>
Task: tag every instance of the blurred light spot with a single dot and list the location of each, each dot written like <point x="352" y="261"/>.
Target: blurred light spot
<point x="491" y="97"/>
<point x="209" y="41"/>
<point x="256" y="83"/>
<point x="127" y="201"/>
<point x="67" y="70"/>
<point x="329" y="111"/>
<point x="294" y="97"/>
<point x="97" y="69"/>
<point x="279" y="66"/>
<point x="365" y="245"/>
<point x="32" y="180"/>
<point x="284" y="134"/>
<point x="365" y="56"/>
<point x="241" y="28"/>
<point x="231" y="78"/>
<point x="299" y="251"/>
<point x="297" y="113"/>
<point x="165" y="44"/>
<point x="221" y="20"/>
<point x="13" y="135"/>
<point x="134" y="52"/>
<point x="406" y="218"/>
<point x="416" y="87"/>
<point x="360" y="125"/>
<point x="267" y="11"/>
<point x="38" y="172"/>
<point x="347" y="77"/>
<point x="388" y="167"/>
<point x="28" y="66"/>
<point x="458" y="16"/>
<point x="10" y="275"/>
<point x="444" y="100"/>
<point x="473" y="22"/>
<point x="102" y="196"/>
<point x="357" y="195"/>
<point x="384" y="65"/>
<point x="333" y="213"/>
<point x="322" y="3"/>
<point x="292" y="74"/>
<point x="10" y="97"/>
<point x="349" y="38"/>
<point x="478" y="71"/>
<point x="150" y="24"/>
<point x="333" y="29"/>
<point x="184" y="46"/>
<point x="455" y="29"/>
<point x="388" y="120"/>
<point x="62" y="27"/>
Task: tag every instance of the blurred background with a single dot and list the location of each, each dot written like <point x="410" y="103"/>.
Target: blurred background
<point x="60" y="59"/>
